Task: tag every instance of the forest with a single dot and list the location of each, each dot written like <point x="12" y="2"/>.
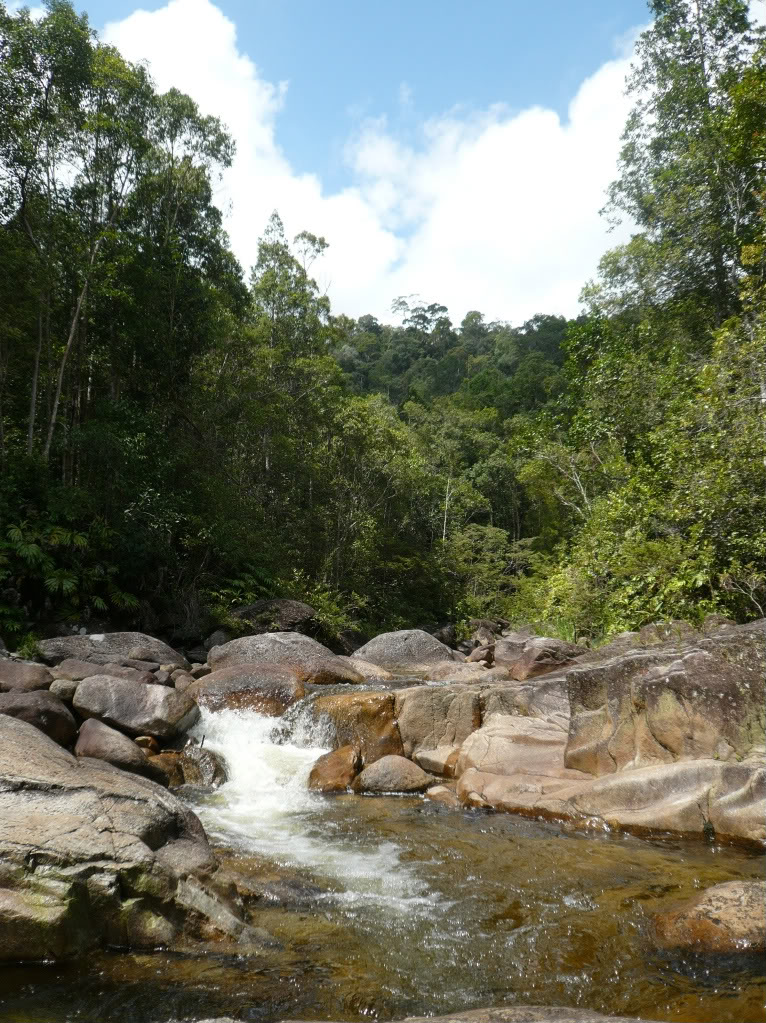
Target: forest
<point x="180" y="435"/>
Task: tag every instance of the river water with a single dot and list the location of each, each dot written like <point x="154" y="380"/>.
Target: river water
<point x="384" y="907"/>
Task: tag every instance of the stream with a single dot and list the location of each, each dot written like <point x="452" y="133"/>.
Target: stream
<point x="384" y="907"/>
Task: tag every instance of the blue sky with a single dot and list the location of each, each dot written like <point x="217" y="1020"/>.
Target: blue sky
<point x="458" y="151"/>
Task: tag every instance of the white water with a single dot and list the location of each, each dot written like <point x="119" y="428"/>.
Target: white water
<point x="266" y="808"/>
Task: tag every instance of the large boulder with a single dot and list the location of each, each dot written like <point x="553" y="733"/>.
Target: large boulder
<point x="267" y="688"/>
<point x="539" y="656"/>
<point x="361" y="719"/>
<point x="664" y="705"/>
<point x="432" y="716"/>
<point x="312" y="662"/>
<point x="43" y="710"/>
<point x="112" y="645"/>
<point x="22" y="676"/>
<point x="135" y="708"/>
<point x="91" y="855"/>
<point x="406" y="650"/>
<point x="101" y="742"/>
<point x="726" y="919"/>
<point x="507" y="745"/>
<point x="392" y="774"/>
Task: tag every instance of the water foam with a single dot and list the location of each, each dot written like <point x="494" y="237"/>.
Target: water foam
<point x="266" y="808"/>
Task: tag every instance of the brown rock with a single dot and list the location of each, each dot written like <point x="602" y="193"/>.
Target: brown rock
<point x="392" y="774"/>
<point x="109" y="646"/>
<point x="484" y="653"/>
<point x="104" y="743"/>
<point x="727" y="919"/>
<point x="64" y="689"/>
<point x="23" y="677"/>
<point x="363" y="720"/>
<point x="182" y="680"/>
<point x="433" y="716"/>
<point x="442" y="760"/>
<point x="124" y="671"/>
<point x="76" y="670"/>
<point x="267" y="688"/>
<point x="542" y="655"/>
<point x="148" y="744"/>
<point x="202" y="767"/>
<point x="162" y="677"/>
<point x="369" y="672"/>
<point x="44" y="711"/>
<point x="200" y="670"/>
<point x="169" y="763"/>
<point x="443" y="794"/>
<point x="509" y="745"/>
<point x="335" y="771"/>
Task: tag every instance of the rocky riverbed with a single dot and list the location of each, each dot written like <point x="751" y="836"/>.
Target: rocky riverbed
<point x="288" y="887"/>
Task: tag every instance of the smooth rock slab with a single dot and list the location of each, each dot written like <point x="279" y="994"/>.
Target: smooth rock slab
<point x="135" y="708"/>
<point x="725" y="919"/>
<point x="392" y="774"/>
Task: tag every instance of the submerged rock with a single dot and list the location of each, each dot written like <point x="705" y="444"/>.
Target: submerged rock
<point x="510" y="1014"/>
<point x="726" y="919"/>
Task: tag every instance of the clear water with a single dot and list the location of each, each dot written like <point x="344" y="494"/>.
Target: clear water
<point x="421" y="910"/>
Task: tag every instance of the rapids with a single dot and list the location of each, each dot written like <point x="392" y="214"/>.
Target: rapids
<point x="408" y="908"/>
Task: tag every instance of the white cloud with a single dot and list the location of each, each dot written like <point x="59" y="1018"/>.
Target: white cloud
<point x="490" y="210"/>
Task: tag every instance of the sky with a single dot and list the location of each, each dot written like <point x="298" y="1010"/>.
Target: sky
<point x="457" y="150"/>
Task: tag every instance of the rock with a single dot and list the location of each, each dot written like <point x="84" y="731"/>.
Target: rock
<point x="726" y="919"/>
<point x="482" y="653"/>
<point x="278" y="615"/>
<point x="508" y="650"/>
<point x="667" y="632"/>
<point x="694" y="798"/>
<point x="350" y="640"/>
<point x="363" y="720"/>
<point x="182" y="681"/>
<point x="104" y="743"/>
<point x="148" y="744"/>
<point x="162" y="677"/>
<point x="484" y="631"/>
<point x="313" y="662"/>
<point x="431" y="716"/>
<point x="663" y="705"/>
<point x="715" y="623"/>
<point x="202" y="767"/>
<point x="542" y="655"/>
<point x="23" y="677"/>
<point x="392" y="774"/>
<point x="217" y="638"/>
<point x="336" y="770"/>
<point x="64" y="689"/>
<point x="91" y="855"/>
<point x="76" y="670"/>
<point x="369" y="672"/>
<point x="133" y="645"/>
<point x="132" y="662"/>
<point x="523" y="1014"/>
<point x="409" y="649"/>
<point x="169" y="763"/>
<point x="509" y="745"/>
<point x="447" y="635"/>
<point x="200" y="670"/>
<point x="267" y="688"/>
<point x="124" y="671"/>
<point x="443" y="794"/>
<point x="545" y="698"/>
<point x="442" y="760"/>
<point x="135" y="708"/>
<point x="43" y="710"/>
<point x="453" y="672"/>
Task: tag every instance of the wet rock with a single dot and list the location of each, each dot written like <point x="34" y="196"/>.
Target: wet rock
<point x="336" y="770"/>
<point x="135" y="708"/>
<point x="104" y="743"/>
<point x="363" y="720"/>
<point x="169" y="763"/>
<point x="267" y="688"/>
<point x="392" y="774"/>
<point x="727" y="919"/>
<point x="313" y="662"/>
<point x="89" y="855"/>
<point x="431" y="716"/>
<point x="523" y="1014"/>
<point x="407" y="649"/>
<point x="444" y="795"/>
<point x="147" y="743"/>
<point x="115" y="645"/>
<point x="202" y="767"/>
<point x="22" y="676"/>
<point x="43" y="710"/>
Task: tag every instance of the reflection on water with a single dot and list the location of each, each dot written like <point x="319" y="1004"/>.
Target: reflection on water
<point x="422" y="910"/>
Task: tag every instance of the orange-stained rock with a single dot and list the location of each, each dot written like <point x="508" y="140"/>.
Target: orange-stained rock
<point x="267" y="688"/>
<point x="336" y="770"/>
<point x="364" y="720"/>
<point x="725" y="919"/>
